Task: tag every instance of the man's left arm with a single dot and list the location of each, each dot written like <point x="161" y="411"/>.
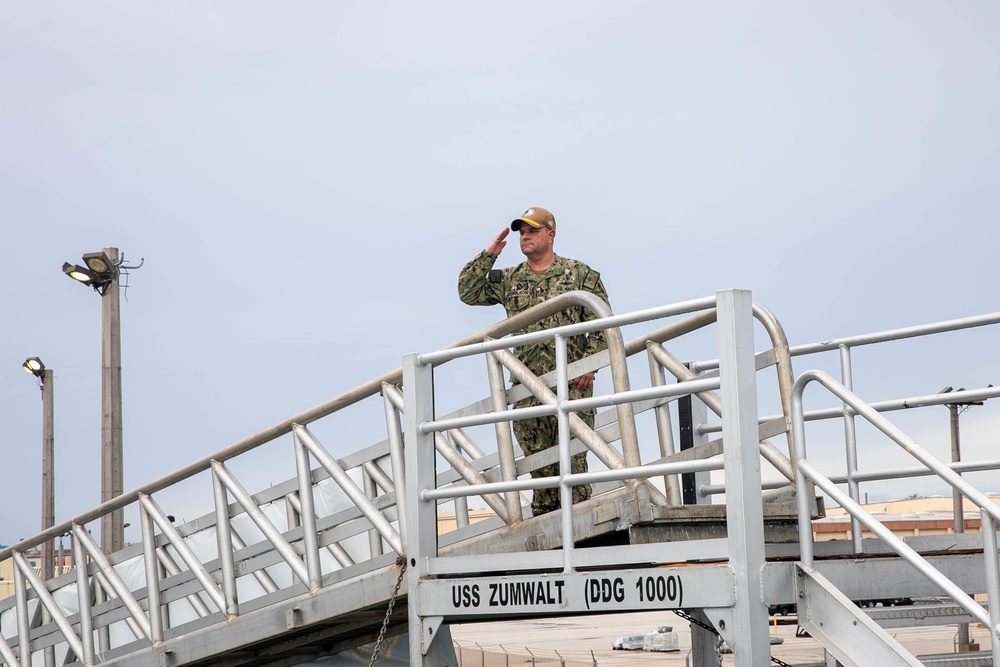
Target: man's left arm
<point x="596" y="341"/>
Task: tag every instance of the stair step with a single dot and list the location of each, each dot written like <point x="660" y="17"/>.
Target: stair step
<point x="941" y="613"/>
<point x="971" y="659"/>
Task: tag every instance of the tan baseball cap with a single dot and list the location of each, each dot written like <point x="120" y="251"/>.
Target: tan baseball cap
<point x="536" y="216"/>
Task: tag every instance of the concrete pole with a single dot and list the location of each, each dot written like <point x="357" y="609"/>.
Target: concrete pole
<point x="112" y="479"/>
<point x="48" y="473"/>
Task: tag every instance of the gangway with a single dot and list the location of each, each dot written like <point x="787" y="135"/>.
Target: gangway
<point x="314" y="565"/>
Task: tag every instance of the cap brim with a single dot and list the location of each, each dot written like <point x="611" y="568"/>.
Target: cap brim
<point x="516" y="224"/>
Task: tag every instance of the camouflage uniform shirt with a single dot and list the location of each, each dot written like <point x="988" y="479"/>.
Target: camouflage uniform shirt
<point x="520" y="288"/>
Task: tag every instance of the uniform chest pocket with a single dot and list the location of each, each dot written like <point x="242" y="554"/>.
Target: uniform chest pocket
<point x="564" y="285"/>
<point x="519" y="301"/>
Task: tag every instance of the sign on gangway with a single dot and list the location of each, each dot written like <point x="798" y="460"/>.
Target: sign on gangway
<point x="575" y="592"/>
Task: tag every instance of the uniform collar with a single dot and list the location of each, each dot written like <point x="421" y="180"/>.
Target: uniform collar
<point x="557" y="266"/>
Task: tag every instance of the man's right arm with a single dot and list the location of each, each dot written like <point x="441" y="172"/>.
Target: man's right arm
<point x="474" y="286"/>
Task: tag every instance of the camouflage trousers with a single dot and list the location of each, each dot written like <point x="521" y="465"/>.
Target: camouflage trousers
<point x="540" y="433"/>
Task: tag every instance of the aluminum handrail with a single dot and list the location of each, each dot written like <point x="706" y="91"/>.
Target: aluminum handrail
<point x="224" y="483"/>
<point x="779" y="356"/>
<point x="844" y="412"/>
<point x="575" y="479"/>
<point x="804" y="471"/>
<point x="704" y="315"/>
<point x="299" y="543"/>
<point x="616" y="464"/>
<point x="898" y="545"/>
<point x="960" y="396"/>
<point x="898" y="473"/>
<point x="864" y="410"/>
<point x="886" y="336"/>
<point x="346" y="399"/>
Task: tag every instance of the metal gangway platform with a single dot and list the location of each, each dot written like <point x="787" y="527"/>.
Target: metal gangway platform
<point x="361" y="542"/>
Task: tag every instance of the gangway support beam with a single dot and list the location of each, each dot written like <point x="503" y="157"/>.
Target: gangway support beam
<point x="844" y="630"/>
<point x="747" y="633"/>
<point x="418" y="394"/>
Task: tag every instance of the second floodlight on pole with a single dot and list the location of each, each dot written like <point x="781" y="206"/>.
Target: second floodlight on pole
<point x="99" y="263"/>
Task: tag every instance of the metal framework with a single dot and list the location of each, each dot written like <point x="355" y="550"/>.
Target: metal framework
<point x="307" y="567"/>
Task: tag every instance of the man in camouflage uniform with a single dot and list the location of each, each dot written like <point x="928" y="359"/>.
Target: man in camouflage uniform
<point x="543" y="276"/>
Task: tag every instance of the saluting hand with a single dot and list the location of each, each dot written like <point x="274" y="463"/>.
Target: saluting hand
<point x="496" y="246"/>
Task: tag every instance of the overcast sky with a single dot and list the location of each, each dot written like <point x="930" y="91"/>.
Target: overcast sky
<point x="305" y="180"/>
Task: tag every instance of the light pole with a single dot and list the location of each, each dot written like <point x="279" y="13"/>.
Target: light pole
<point x="954" y="410"/>
<point x="35" y="366"/>
<point x="102" y="272"/>
<point x="958" y="510"/>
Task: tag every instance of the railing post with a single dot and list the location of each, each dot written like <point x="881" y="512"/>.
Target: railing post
<point x="421" y="517"/>
<point x="152" y="568"/>
<point x="394" y="432"/>
<point x="565" y="458"/>
<point x="664" y="432"/>
<point x="744" y="510"/>
<point x="989" y="528"/>
<point x="461" y="512"/>
<point x="851" y="443"/>
<point x="23" y="620"/>
<point x="224" y="540"/>
<point x="347" y="485"/>
<point x="374" y="539"/>
<point x="505" y="440"/>
<point x="85" y="650"/>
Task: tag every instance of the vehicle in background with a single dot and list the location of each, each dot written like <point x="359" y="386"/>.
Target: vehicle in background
<point x="889" y="602"/>
<point x="788" y="609"/>
<point x="781" y="609"/>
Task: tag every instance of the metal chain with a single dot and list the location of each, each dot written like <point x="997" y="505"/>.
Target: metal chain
<point x="690" y="619"/>
<point x="718" y="638"/>
<point x="388" y="612"/>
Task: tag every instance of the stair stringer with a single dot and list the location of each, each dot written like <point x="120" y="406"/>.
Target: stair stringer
<point x="842" y="628"/>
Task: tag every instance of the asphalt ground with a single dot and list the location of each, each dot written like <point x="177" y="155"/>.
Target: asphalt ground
<point x="581" y="640"/>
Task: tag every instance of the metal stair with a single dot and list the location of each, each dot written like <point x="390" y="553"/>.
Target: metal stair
<point x="847" y="632"/>
<point x="308" y="567"/>
<point x="972" y="659"/>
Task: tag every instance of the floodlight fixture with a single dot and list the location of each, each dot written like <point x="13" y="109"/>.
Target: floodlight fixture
<point x="99" y="271"/>
<point x="99" y="263"/>
<point x="34" y="366"/>
<point x="80" y="273"/>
